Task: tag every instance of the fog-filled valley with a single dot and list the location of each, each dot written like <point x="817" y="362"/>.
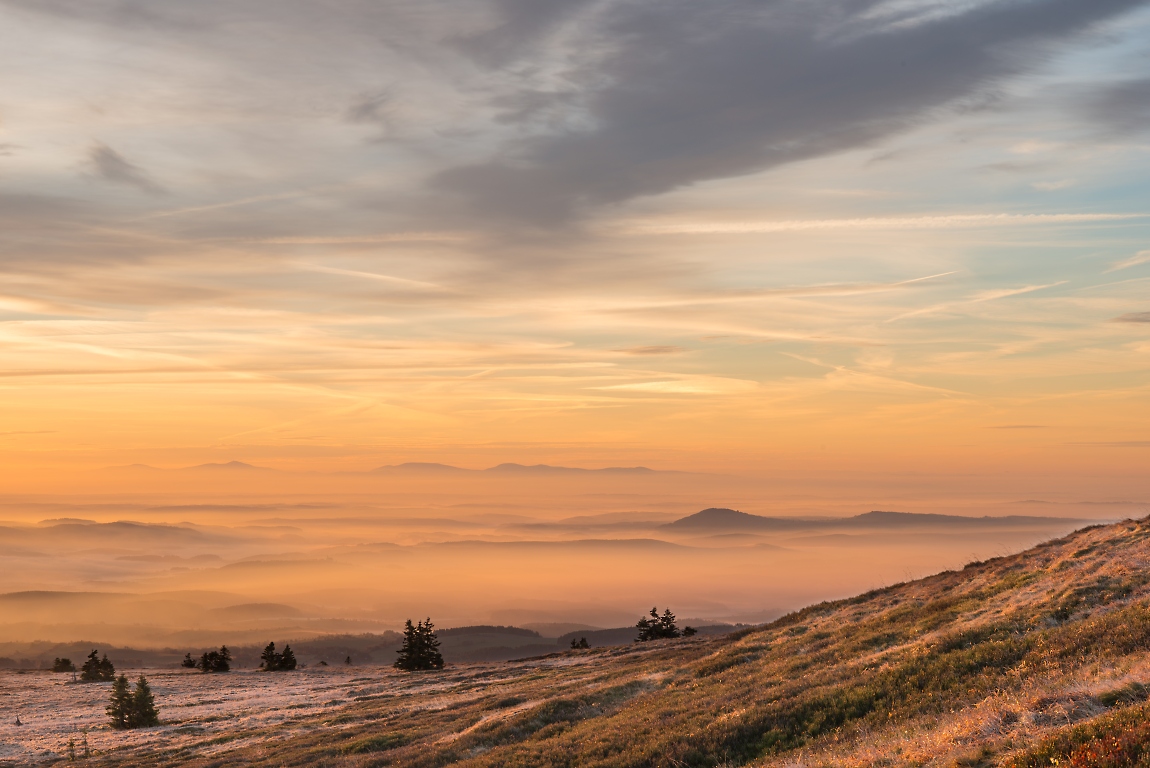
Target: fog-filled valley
<point x="236" y="554"/>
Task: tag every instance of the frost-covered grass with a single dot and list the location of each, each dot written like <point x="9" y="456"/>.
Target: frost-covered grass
<point x="195" y="708"/>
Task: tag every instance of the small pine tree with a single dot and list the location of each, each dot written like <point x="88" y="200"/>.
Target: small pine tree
<point x="143" y="713"/>
<point x="270" y="660"/>
<point x="96" y="669"/>
<point x="63" y="665"/>
<point x="287" y="661"/>
<point x="579" y="644"/>
<point x="120" y="706"/>
<point x="188" y="661"/>
<point x="224" y="663"/>
<point x="689" y="631"/>
<point x="420" y="649"/>
<point x="657" y="627"/>
<point x="347" y="661"/>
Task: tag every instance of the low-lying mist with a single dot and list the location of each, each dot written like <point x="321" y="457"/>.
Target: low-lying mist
<point x="152" y="559"/>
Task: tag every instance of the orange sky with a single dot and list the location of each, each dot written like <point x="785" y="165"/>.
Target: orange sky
<point x="331" y="248"/>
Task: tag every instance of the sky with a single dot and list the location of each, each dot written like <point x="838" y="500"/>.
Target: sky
<point x="802" y="238"/>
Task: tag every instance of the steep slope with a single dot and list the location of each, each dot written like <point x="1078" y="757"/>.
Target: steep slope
<point x="1028" y="660"/>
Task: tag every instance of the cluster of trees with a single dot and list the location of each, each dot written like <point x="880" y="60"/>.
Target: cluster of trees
<point x="273" y="661"/>
<point x="579" y="644"/>
<point x="218" y="661"/>
<point x="420" y="649"/>
<point x="63" y="665"/>
<point x="132" y="709"/>
<point x="96" y="670"/>
<point x="660" y="627"/>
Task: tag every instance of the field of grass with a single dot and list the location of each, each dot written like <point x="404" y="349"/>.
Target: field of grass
<point x="1030" y="660"/>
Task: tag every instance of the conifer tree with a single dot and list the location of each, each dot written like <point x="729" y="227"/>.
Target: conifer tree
<point x="657" y="627"/>
<point x="131" y="709"/>
<point x="96" y="669"/>
<point x="188" y="661"/>
<point x="270" y="659"/>
<point x="63" y="665"/>
<point x="420" y="649"/>
<point x="143" y="714"/>
<point x="120" y="707"/>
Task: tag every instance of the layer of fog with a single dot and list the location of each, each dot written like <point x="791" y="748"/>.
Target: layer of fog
<point x="219" y="560"/>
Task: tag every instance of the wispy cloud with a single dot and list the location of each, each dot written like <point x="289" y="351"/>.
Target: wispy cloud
<point x="1142" y="257"/>
<point x="653" y="350"/>
<point x="950" y="221"/>
<point x="108" y="164"/>
<point x="1133" y="317"/>
<point x="991" y="294"/>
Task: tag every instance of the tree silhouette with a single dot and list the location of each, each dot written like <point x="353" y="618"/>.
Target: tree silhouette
<point x="212" y="661"/>
<point x="420" y="649"/>
<point x="276" y="662"/>
<point x="657" y="627"/>
<point x="132" y="709"/>
<point x="63" y="665"/>
<point x="120" y="707"/>
<point x="188" y="661"/>
<point x="579" y="644"/>
<point x="96" y="669"/>
<point x="143" y="713"/>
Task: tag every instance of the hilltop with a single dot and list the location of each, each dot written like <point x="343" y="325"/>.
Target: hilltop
<point x="1033" y="659"/>
<point x="722" y="519"/>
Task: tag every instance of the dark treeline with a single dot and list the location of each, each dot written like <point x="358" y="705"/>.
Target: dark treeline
<point x="210" y="661"/>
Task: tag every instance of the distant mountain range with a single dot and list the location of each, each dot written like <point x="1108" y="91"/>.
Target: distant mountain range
<point x="411" y="467"/>
<point x="717" y="519"/>
<point x="535" y="469"/>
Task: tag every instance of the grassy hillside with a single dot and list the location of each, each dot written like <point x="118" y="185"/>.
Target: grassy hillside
<point x="1029" y="660"/>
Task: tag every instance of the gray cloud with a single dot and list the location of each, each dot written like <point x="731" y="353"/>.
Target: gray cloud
<point x="680" y="92"/>
<point x="524" y="26"/>
<point x="108" y="164"/>
<point x="1125" y="107"/>
<point x="1133" y="317"/>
